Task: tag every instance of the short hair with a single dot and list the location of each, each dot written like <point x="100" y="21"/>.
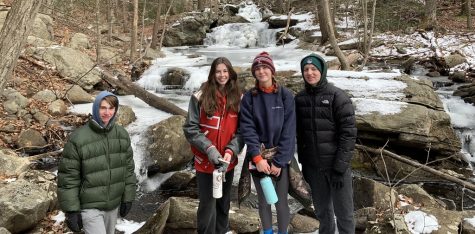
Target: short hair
<point x="112" y="100"/>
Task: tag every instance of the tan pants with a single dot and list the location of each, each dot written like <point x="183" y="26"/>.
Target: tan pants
<point x="99" y="222"/>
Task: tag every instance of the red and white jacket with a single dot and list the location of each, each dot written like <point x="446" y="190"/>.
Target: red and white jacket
<point x="219" y="130"/>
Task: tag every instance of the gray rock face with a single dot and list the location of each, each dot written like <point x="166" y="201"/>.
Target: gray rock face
<point x="125" y="115"/>
<point x="77" y="95"/>
<point x="79" y="41"/>
<point x="45" y="96"/>
<point x="15" y="101"/>
<point x="180" y="215"/>
<point x="175" y="77"/>
<point x="304" y="224"/>
<point x="22" y="205"/>
<point x="168" y="146"/>
<point x="454" y="60"/>
<point x="369" y="193"/>
<point x="2" y="229"/>
<point x="31" y="138"/>
<point x="407" y="112"/>
<point x="71" y="64"/>
<point x="42" y="25"/>
<point x="11" y="164"/>
<point x="188" y="31"/>
<point x="57" y="108"/>
<point x="419" y="195"/>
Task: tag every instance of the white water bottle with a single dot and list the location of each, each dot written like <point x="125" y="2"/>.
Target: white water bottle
<point x="217" y="184"/>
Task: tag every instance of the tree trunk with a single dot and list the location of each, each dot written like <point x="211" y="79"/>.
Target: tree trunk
<point x="322" y="20"/>
<point x="133" y="41"/>
<point x="13" y="35"/>
<point x="110" y="19"/>
<point x="142" y="39"/>
<point x="279" y="6"/>
<point x="156" y="25"/>
<point x="125" y="15"/>
<point x="98" y="32"/>
<point x="149" y="98"/>
<point x="430" y="16"/>
<point x="331" y="35"/>
<point x="464" y="8"/>
<point x="164" y="26"/>
<point x="469" y="14"/>
<point x="201" y="5"/>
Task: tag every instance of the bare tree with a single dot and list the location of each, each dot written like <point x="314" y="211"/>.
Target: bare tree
<point x="201" y="5"/>
<point x="469" y="14"/>
<point x="327" y="23"/>
<point x="98" y="32"/>
<point x="133" y="41"/>
<point x="13" y="35"/>
<point x="156" y="25"/>
<point x="110" y="19"/>
<point x="125" y="15"/>
<point x="279" y="6"/>
<point x="430" y="15"/>
<point x="323" y="24"/>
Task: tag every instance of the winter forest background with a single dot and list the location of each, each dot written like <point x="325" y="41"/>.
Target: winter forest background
<point x="408" y="66"/>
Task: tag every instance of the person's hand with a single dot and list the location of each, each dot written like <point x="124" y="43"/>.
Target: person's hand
<point x="274" y="170"/>
<point x="74" y="221"/>
<point x="263" y="166"/>
<point x="125" y="208"/>
<point x="225" y="162"/>
<point x="213" y="155"/>
<point x="337" y="180"/>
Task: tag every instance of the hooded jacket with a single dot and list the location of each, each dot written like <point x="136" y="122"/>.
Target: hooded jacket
<point x="220" y="130"/>
<point x="97" y="168"/>
<point x="326" y="128"/>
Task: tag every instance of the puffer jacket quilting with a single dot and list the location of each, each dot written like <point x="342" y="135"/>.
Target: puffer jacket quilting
<point x="97" y="169"/>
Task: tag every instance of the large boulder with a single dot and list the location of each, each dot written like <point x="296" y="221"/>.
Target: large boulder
<point x="190" y="30"/>
<point x="399" y="108"/>
<point x="11" y="164"/>
<point x="125" y="115"/>
<point x="73" y="65"/>
<point x="31" y="138"/>
<point x="407" y="112"/>
<point x="42" y="25"/>
<point x="168" y="148"/>
<point x="369" y="193"/>
<point x="22" y="205"/>
<point x="178" y="215"/>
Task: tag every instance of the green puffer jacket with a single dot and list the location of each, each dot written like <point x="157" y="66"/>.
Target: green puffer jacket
<point x="97" y="169"/>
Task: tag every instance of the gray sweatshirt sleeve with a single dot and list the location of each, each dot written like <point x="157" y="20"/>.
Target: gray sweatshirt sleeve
<point x="191" y="127"/>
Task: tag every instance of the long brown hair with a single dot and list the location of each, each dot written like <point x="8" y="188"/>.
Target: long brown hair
<point x="231" y="90"/>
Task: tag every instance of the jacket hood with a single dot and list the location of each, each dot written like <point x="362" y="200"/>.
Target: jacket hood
<point x="312" y="58"/>
<point x="95" y="109"/>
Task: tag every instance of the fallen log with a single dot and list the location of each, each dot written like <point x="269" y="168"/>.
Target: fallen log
<point x="463" y="183"/>
<point x="149" y="98"/>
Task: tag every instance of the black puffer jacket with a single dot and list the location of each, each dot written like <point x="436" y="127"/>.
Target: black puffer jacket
<point x="326" y="129"/>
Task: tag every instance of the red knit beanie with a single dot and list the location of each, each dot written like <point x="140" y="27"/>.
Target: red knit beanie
<point x="262" y="59"/>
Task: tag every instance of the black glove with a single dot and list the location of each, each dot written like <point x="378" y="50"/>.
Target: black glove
<point x="125" y="208"/>
<point x="213" y="155"/>
<point x="337" y="180"/>
<point x="74" y="221"/>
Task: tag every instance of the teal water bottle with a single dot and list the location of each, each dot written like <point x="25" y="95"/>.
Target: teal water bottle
<point x="269" y="190"/>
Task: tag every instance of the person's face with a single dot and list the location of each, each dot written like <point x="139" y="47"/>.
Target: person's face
<point x="311" y="74"/>
<point x="106" y="112"/>
<point x="221" y="75"/>
<point x="264" y="76"/>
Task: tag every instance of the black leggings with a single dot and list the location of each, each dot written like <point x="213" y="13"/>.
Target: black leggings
<point x="282" y="205"/>
<point x="213" y="214"/>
